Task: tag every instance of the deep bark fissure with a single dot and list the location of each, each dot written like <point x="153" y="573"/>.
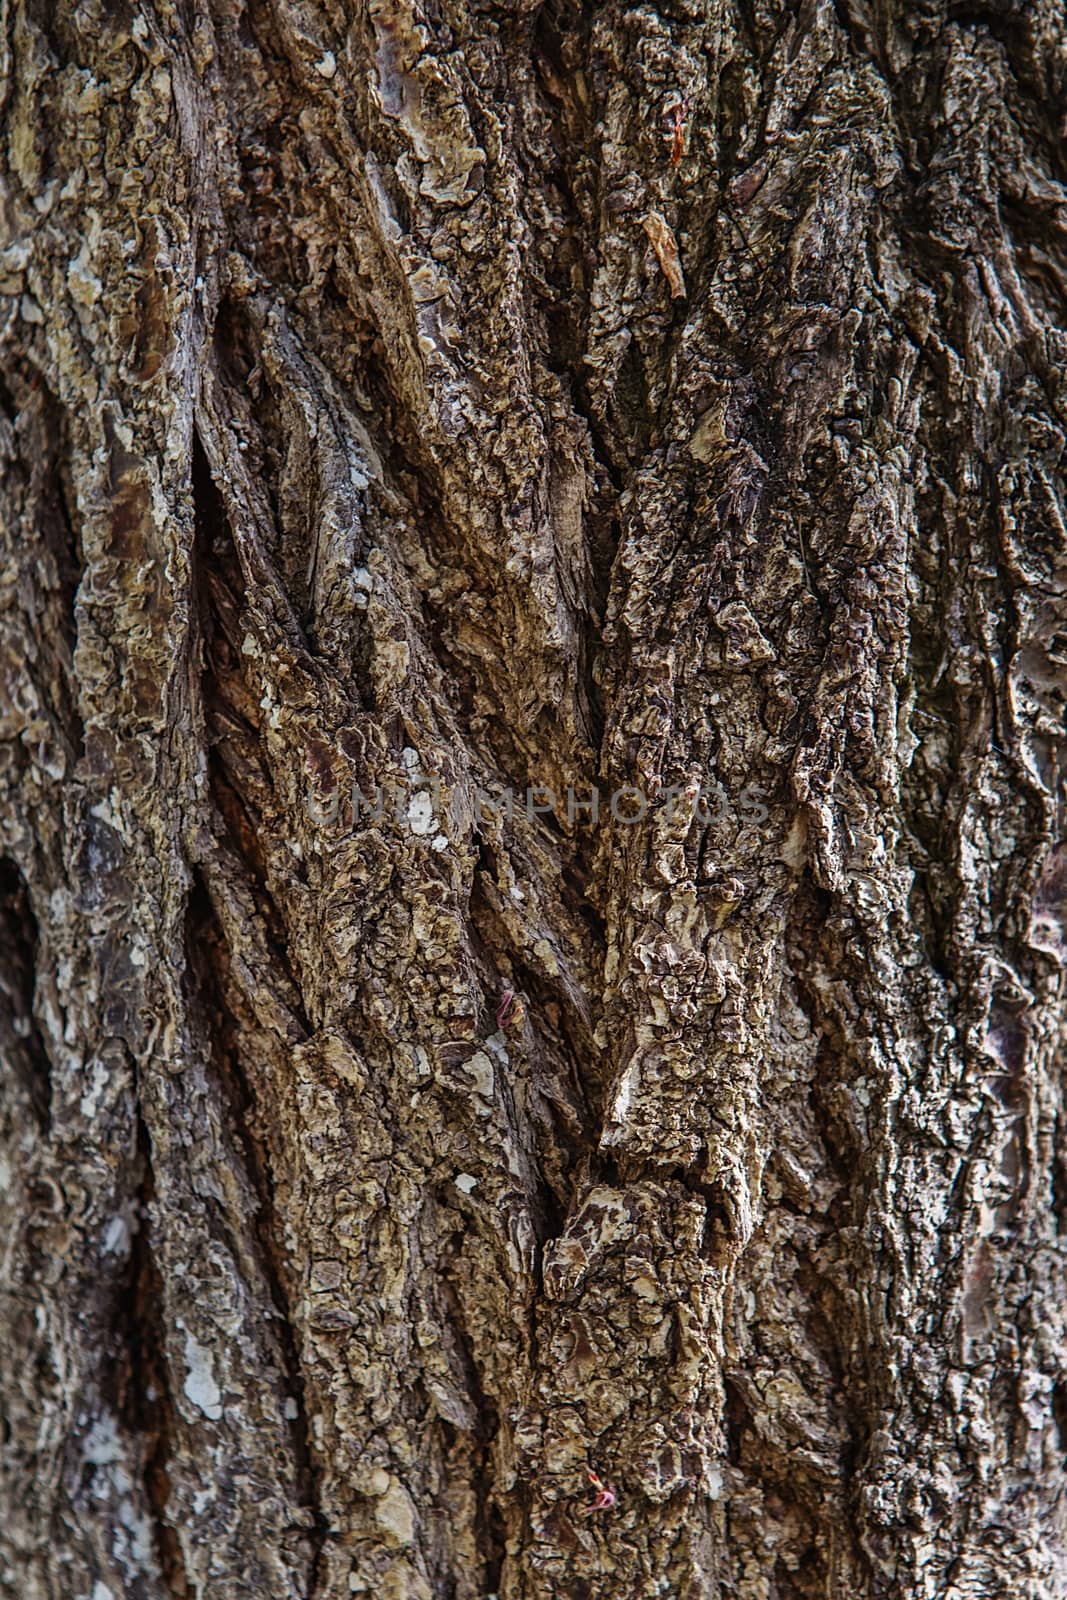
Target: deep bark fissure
<point x="20" y="1035"/>
<point x="146" y="1403"/>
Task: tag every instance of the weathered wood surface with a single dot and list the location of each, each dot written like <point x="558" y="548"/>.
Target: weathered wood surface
<point x="514" y="396"/>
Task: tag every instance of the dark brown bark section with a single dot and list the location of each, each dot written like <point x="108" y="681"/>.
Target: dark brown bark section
<point x="477" y="399"/>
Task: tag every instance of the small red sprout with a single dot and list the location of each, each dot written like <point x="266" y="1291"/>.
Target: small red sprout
<point x="511" y="1013"/>
<point x="505" y="1008"/>
<point x="605" y="1496"/>
<point x="679" y="111"/>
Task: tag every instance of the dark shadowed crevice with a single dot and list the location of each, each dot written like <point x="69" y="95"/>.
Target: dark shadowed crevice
<point x="20" y="1038"/>
<point x="1058" y="1182"/>
<point x="236" y="771"/>
<point x="216" y="557"/>
<point x="736" y="1422"/>
<point x="60" y="527"/>
<point x="40" y="485"/>
<point x="1059" y="1414"/>
<point x="146" y="1403"/>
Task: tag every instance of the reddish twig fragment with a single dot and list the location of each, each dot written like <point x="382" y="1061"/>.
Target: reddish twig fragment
<point x="678" y="132"/>
<point x="603" y="1500"/>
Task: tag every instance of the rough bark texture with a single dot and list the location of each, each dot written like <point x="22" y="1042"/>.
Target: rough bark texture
<point x="465" y="395"/>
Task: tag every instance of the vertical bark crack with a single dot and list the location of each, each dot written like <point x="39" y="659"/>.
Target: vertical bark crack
<point x="145" y="1401"/>
<point x="20" y="1037"/>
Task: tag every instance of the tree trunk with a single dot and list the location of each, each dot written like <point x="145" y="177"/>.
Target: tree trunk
<point x="533" y="893"/>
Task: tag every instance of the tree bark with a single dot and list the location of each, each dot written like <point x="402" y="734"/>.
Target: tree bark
<point x="415" y="424"/>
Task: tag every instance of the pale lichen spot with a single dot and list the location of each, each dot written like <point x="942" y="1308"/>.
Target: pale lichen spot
<point x="395" y="1514"/>
<point x="200" y="1387"/>
<point x="624" y="1095"/>
<point x="363" y="584"/>
<point x="102" y="1445"/>
<point x="420" y="813"/>
<point x="117" y="1237"/>
<point x="480" y="1068"/>
<point x="90" y="1100"/>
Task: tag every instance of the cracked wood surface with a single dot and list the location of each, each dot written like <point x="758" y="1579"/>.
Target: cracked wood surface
<point x="453" y="399"/>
